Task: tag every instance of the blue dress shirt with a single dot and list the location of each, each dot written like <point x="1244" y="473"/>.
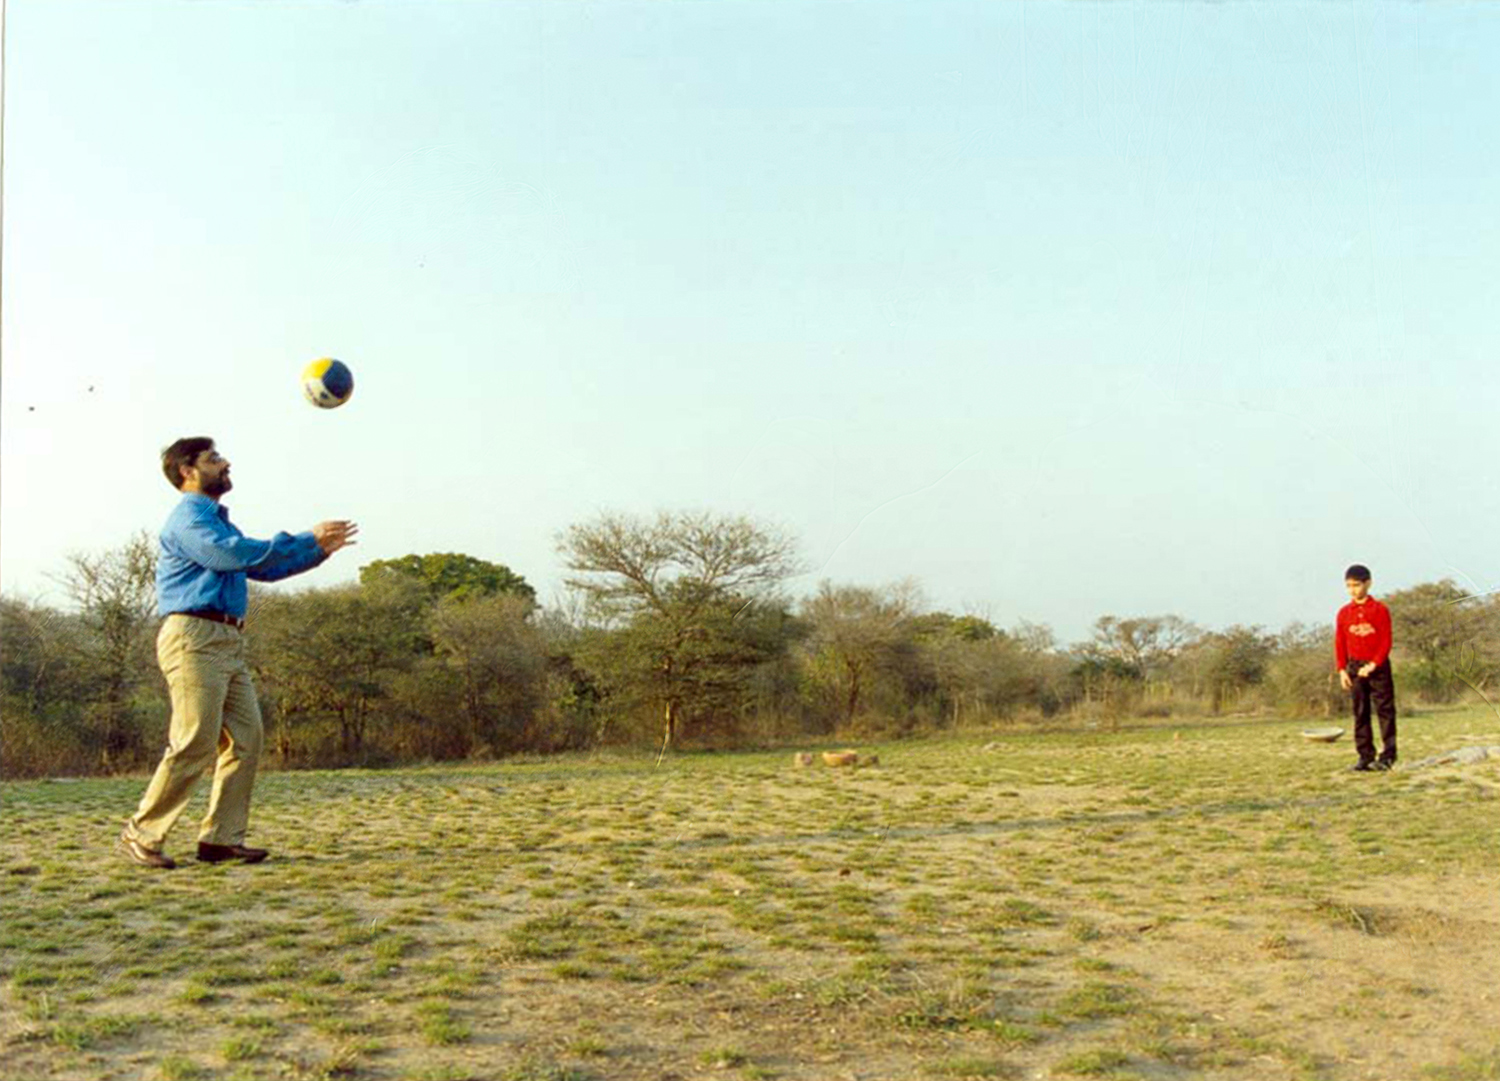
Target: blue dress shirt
<point x="205" y="559"/>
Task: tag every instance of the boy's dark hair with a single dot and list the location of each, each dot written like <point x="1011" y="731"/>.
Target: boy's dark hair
<point x="181" y="453"/>
<point x="1359" y="572"/>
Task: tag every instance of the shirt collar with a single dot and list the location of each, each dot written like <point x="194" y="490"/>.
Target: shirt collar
<point x="198" y="499"/>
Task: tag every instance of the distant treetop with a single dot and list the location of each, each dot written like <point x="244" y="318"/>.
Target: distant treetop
<point x="450" y="574"/>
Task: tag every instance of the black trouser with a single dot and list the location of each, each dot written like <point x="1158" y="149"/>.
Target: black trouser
<point x="1379" y="688"/>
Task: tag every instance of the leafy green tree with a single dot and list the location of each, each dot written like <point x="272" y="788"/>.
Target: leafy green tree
<point x="500" y="661"/>
<point x="1237" y="660"/>
<point x="702" y="676"/>
<point x="936" y="625"/>
<point x="770" y="695"/>
<point x="571" y="715"/>
<point x="331" y="655"/>
<point x="450" y="574"/>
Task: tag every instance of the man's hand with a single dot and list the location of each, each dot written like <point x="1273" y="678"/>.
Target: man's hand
<point x="1364" y="673"/>
<point x="331" y="536"/>
<point x="1345" y="680"/>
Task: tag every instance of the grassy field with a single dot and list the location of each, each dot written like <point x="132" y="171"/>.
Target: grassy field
<point x="1216" y="900"/>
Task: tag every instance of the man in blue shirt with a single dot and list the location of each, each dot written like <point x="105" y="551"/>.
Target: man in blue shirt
<point x="201" y="591"/>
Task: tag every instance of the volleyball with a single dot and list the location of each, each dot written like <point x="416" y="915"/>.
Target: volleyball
<point x="327" y="383"/>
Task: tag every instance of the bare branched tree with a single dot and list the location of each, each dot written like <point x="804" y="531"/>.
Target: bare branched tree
<point x="1145" y="645"/>
<point x="670" y="579"/>
<point x="857" y="631"/>
<point x="115" y="592"/>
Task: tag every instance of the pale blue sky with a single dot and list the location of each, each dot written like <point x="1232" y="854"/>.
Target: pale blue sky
<point x="1064" y="310"/>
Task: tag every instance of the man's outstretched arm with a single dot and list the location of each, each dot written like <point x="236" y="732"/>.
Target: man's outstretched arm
<point x="327" y="538"/>
<point x="213" y="543"/>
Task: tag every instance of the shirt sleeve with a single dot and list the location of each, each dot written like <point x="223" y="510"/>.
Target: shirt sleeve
<point x="1382" y="623"/>
<point x="211" y="542"/>
<point x="291" y="553"/>
<point x="1340" y="651"/>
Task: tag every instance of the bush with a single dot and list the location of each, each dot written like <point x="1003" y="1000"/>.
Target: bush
<point x="1302" y="681"/>
<point x="41" y="746"/>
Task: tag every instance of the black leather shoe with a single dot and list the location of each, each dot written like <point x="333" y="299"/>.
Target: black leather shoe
<point x="1384" y="764"/>
<point x="208" y="853"/>
<point x="146" y="857"/>
<point x="1364" y="765"/>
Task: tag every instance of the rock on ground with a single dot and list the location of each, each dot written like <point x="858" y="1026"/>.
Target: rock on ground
<point x="1463" y="756"/>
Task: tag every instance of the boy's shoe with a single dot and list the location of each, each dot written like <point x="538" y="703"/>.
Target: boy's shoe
<point x="146" y="857"/>
<point x="208" y="853"/>
<point x="1364" y="765"/>
<point x="1384" y="764"/>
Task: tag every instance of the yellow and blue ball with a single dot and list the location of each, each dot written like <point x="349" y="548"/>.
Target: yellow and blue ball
<point x="327" y="383"/>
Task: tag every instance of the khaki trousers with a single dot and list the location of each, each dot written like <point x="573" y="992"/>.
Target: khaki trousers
<point x="213" y="710"/>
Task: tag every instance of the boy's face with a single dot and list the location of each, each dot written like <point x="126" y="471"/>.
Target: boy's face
<point x="1358" y="590"/>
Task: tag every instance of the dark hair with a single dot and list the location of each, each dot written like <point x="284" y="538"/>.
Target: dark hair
<point x="182" y="453"/>
<point x="1359" y="572"/>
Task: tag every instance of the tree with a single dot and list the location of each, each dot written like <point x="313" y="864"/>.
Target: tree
<point x="1237" y="659"/>
<point x="1451" y="640"/>
<point x="332" y="654"/>
<point x="33" y="656"/>
<point x="858" y="632"/>
<point x="967" y="628"/>
<point x="571" y="715"/>
<point x="450" y="574"/>
<point x="1300" y="674"/>
<point x="116" y="596"/>
<point x="1141" y="647"/>
<point x="985" y="671"/>
<point x="500" y="660"/>
<point x="46" y="690"/>
<point x="672" y="589"/>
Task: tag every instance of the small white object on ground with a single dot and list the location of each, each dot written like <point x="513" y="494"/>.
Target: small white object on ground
<point x="1323" y="735"/>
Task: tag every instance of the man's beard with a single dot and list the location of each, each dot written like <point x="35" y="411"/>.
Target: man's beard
<point x="217" y="486"/>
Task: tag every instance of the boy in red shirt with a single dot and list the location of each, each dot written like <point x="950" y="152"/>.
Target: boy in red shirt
<point x="1362" y="645"/>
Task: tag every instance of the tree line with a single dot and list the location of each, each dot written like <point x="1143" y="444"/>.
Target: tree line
<point x="676" y="630"/>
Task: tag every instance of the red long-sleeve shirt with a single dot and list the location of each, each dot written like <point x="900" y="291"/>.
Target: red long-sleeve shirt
<point x="1362" y="633"/>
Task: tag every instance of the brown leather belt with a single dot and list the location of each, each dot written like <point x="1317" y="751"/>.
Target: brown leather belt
<point x="217" y="617"/>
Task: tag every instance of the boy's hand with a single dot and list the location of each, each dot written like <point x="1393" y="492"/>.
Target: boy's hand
<point x="331" y="536"/>
<point x="1364" y="672"/>
<point x="1345" y="680"/>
